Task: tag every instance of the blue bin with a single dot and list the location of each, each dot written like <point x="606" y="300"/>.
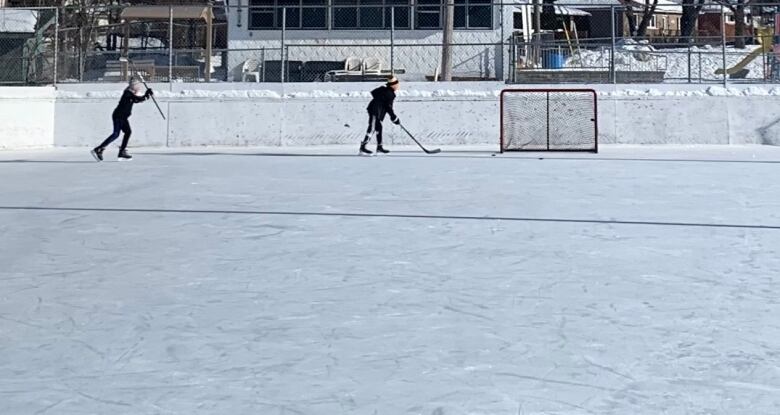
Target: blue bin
<point x="553" y="59"/>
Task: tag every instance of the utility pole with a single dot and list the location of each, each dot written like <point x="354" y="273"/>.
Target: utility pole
<point x="446" y="49"/>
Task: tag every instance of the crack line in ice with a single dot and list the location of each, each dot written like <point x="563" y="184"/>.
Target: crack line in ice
<point x="396" y="216"/>
<point x="560" y="382"/>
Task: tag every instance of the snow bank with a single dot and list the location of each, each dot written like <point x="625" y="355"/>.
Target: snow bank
<point x="676" y="63"/>
<point x="316" y="93"/>
<point x="487" y="94"/>
<point x="712" y="91"/>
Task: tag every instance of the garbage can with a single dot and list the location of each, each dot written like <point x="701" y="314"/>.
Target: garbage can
<point x="553" y="59"/>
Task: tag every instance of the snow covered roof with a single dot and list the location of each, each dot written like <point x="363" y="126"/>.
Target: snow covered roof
<point x="582" y="4"/>
<point x="569" y="11"/>
<point x="664" y="6"/>
<point x="715" y="8"/>
<point x="563" y="10"/>
<point x="18" y="21"/>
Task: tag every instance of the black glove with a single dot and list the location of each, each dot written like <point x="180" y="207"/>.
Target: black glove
<point x="396" y="121"/>
<point x="149" y="92"/>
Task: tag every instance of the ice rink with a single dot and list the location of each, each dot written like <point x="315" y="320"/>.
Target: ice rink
<point x="636" y="281"/>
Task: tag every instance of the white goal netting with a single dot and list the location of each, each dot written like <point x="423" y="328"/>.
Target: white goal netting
<point x="548" y="120"/>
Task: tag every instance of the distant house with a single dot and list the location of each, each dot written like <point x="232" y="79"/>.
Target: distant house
<point x="555" y="20"/>
<point x="664" y="23"/>
<point x="593" y="19"/>
<point x="709" y="24"/>
<point x="596" y="26"/>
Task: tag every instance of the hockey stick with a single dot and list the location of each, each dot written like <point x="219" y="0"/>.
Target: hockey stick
<point x="123" y="59"/>
<point x="434" y="151"/>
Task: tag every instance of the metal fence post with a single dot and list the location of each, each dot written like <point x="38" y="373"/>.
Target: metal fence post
<point x="700" y="78"/>
<point x="81" y="54"/>
<point x="501" y="48"/>
<point x="723" y="42"/>
<point x="689" y="62"/>
<point x="170" y="45"/>
<point x="284" y="28"/>
<point x="56" y="42"/>
<point x="513" y="60"/>
<point x="612" y="74"/>
<point x="392" y="40"/>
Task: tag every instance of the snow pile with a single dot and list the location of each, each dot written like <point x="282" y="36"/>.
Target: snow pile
<point x="630" y="55"/>
<point x="713" y="91"/>
<point x="221" y="94"/>
<point x="676" y="63"/>
<point x="329" y="94"/>
<point x="451" y="93"/>
<point x="489" y="94"/>
<point x="259" y="93"/>
<point x="187" y="93"/>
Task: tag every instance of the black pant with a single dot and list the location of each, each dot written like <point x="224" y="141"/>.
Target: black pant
<point x="123" y="125"/>
<point x="374" y="125"/>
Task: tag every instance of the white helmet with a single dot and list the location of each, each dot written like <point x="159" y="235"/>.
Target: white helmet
<point x="136" y="87"/>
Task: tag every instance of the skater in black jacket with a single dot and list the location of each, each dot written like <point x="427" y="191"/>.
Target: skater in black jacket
<point x="381" y="104"/>
<point x="133" y="94"/>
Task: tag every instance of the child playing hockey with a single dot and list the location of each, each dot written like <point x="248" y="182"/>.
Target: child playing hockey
<point x="133" y="94"/>
<point x="381" y="104"/>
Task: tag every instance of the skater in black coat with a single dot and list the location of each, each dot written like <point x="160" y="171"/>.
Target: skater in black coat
<point x="133" y="94"/>
<point x="380" y="105"/>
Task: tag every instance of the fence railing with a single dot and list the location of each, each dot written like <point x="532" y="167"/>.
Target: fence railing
<point x="328" y="41"/>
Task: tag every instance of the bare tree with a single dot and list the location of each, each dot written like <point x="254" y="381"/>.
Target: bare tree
<point x="738" y="8"/>
<point x="648" y="11"/>
<point x="690" y="13"/>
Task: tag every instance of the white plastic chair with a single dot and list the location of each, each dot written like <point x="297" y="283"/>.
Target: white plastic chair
<point x="353" y="66"/>
<point x="250" y="68"/>
<point x="372" y="66"/>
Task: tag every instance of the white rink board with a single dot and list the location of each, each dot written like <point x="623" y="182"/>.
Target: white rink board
<point x="26" y="117"/>
<point x="461" y="113"/>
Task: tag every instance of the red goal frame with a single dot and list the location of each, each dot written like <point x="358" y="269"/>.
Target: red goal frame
<point x="595" y="120"/>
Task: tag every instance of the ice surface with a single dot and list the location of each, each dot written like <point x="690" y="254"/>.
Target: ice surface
<point x="317" y="282"/>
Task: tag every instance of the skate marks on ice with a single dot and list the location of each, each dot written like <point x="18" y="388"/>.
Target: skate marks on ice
<point x="476" y="154"/>
<point x="392" y="216"/>
<point x="293" y="286"/>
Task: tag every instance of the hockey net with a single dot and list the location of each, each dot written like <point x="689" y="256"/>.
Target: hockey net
<point x="549" y="120"/>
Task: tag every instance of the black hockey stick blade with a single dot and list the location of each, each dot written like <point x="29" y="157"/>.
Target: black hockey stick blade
<point x="434" y="151"/>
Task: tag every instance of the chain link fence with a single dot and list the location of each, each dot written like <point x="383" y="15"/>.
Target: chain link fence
<point x="590" y="41"/>
<point x="27" y="46"/>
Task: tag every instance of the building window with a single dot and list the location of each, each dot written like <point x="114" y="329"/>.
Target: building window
<point x="402" y="12"/>
<point x="428" y="14"/>
<point x="313" y="17"/>
<point x="301" y="14"/>
<point x="370" y="14"/>
<point x="652" y="22"/>
<point x="366" y="14"/>
<point x="473" y="14"/>
<point x="469" y="14"/>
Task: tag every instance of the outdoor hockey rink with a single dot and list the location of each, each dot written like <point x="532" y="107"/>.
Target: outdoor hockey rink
<point x="640" y="280"/>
